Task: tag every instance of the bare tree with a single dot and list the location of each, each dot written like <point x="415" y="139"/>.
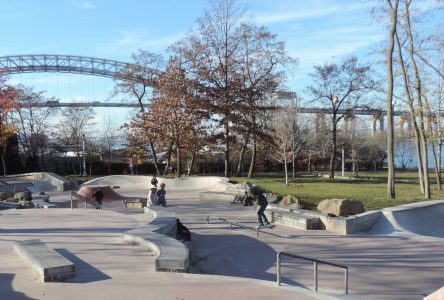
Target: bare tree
<point x="340" y="88"/>
<point x="33" y="123"/>
<point x="72" y="128"/>
<point x="140" y="79"/>
<point x="110" y="134"/>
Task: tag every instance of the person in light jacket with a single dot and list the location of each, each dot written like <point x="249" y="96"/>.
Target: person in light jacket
<point x="152" y="197"/>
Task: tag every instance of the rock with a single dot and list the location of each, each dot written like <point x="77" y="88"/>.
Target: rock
<point x="23" y="196"/>
<point x="26" y="204"/>
<point x="341" y="207"/>
<point x="4" y="195"/>
<point x="291" y="201"/>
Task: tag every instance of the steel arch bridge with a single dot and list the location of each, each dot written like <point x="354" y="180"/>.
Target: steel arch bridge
<point x="17" y="64"/>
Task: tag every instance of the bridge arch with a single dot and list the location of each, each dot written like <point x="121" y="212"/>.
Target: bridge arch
<point x="17" y="64"/>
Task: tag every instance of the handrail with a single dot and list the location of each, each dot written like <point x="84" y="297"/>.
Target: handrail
<point x="258" y="230"/>
<point x="315" y="268"/>
<point x="85" y="199"/>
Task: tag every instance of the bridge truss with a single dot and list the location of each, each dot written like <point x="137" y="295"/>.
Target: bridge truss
<point x="17" y="64"/>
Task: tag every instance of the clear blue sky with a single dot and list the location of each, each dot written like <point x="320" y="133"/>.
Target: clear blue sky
<point x="315" y="31"/>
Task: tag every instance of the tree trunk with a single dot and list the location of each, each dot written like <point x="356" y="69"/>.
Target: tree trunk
<point x="390" y="132"/>
<point x="253" y="158"/>
<point x="285" y="166"/>
<point x="412" y="115"/>
<point x="178" y="164"/>
<point x="193" y="157"/>
<point x="5" y="171"/>
<point x="293" y="165"/>
<point x="227" y="151"/>
<point x="309" y="164"/>
<point x="170" y="151"/>
<point x="439" y="162"/>
<point x="333" y="152"/>
<point x="241" y="159"/>
<point x="153" y="151"/>
<point x="435" y="160"/>
<point x="109" y="160"/>
<point x="418" y="88"/>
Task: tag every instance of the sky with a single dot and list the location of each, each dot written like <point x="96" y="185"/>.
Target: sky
<point x="315" y="31"/>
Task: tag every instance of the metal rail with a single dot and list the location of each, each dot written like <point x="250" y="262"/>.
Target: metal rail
<point x="232" y="223"/>
<point x="84" y="199"/>
<point x="315" y="269"/>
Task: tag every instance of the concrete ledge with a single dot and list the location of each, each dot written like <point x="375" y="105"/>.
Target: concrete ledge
<point x="9" y="205"/>
<point x="223" y="196"/>
<point x="341" y="225"/>
<point x="51" y="265"/>
<point x="137" y="203"/>
<point x="159" y="236"/>
<point x="294" y="220"/>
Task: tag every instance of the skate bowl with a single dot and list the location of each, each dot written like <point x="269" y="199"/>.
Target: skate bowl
<point x="212" y="183"/>
<point x="423" y="218"/>
<point x="108" y="193"/>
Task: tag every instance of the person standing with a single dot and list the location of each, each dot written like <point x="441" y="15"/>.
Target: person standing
<point x="262" y="204"/>
<point x="154" y="180"/>
<point x="161" y="195"/>
<point x="152" y="197"/>
<point x="98" y="196"/>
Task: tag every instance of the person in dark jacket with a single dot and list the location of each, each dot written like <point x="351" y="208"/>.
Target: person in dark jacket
<point x="262" y="204"/>
<point x="98" y="196"/>
<point x="161" y="195"/>
<point x="154" y="180"/>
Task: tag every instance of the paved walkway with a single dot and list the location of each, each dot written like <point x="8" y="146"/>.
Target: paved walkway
<point x="381" y="267"/>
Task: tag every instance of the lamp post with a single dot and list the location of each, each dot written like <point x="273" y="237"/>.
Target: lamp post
<point x="84" y="158"/>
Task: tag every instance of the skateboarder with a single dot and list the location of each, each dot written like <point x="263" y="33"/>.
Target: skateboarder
<point x="98" y="196"/>
<point x="161" y="195"/>
<point x="262" y="205"/>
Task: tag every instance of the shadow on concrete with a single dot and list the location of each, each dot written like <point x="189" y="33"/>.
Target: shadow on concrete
<point x="84" y="271"/>
<point x="234" y="255"/>
<point x="6" y="290"/>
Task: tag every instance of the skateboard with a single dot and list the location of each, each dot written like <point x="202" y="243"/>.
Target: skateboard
<point x="271" y="226"/>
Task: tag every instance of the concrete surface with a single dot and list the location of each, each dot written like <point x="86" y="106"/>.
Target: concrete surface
<point x="51" y="265"/>
<point x="159" y="235"/>
<point x="225" y="264"/>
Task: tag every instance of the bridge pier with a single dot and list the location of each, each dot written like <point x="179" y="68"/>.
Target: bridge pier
<point x="377" y="117"/>
<point x="320" y="123"/>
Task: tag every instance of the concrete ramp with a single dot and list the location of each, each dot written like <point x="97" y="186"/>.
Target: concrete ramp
<point x="212" y="183"/>
<point x="108" y="193"/>
<point x="423" y="218"/>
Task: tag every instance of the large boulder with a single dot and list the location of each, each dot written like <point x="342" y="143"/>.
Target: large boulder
<point x="23" y="196"/>
<point x="341" y="207"/>
<point x="290" y="201"/>
<point x="4" y="195"/>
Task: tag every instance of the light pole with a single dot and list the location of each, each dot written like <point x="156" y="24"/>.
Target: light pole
<point x="84" y="158"/>
<point x="343" y="162"/>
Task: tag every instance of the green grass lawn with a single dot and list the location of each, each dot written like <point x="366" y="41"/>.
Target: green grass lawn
<point x="370" y="188"/>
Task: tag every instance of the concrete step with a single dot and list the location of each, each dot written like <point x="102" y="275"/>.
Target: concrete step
<point x="51" y="265"/>
<point x="294" y="219"/>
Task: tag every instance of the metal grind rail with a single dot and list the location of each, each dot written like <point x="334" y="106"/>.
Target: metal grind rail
<point x="232" y="223"/>
<point x="315" y="269"/>
<point x="84" y="199"/>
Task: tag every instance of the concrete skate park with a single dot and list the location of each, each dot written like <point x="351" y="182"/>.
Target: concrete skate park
<point x="128" y="253"/>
